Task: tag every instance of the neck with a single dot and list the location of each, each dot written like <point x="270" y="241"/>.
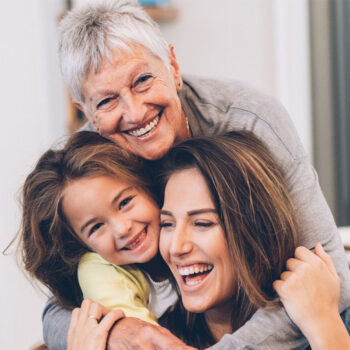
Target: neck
<point x="185" y="131"/>
<point x="157" y="268"/>
<point x="218" y="320"/>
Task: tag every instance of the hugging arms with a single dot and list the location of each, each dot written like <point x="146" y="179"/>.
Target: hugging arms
<point x="227" y="223"/>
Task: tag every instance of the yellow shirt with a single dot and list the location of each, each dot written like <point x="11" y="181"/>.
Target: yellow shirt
<point x="115" y="287"/>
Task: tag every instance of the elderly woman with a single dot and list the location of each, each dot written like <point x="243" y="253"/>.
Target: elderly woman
<point x="126" y="80"/>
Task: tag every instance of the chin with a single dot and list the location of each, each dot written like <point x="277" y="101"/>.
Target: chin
<point x="196" y="309"/>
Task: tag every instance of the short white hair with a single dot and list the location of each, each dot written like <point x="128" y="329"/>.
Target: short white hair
<point x="90" y="32"/>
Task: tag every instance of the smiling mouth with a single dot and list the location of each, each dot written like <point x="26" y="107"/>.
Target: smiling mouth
<point x="194" y="274"/>
<point x="136" y="241"/>
<point x="147" y="129"/>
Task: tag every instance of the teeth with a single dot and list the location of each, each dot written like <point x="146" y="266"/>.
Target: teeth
<point x="146" y="129"/>
<point x="192" y="283"/>
<point x="190" y="270"/>
<point x="134" y="243"/>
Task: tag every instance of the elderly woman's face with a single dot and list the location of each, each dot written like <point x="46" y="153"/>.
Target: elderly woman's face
<point x="133" y="101"/>
<point x="193" y="244"/>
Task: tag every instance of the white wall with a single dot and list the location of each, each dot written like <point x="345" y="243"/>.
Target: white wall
<point x="263" y="42"/>
<point x="240" y="39"/>
<point x="31" y="117"/>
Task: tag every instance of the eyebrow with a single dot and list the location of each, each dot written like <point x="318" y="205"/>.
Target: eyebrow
<point x="191" y="212"/>
<point x="115" y="199"/>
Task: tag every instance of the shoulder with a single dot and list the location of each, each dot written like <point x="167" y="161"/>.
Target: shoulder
<point x="93" y="266"/>
<point x="215" y="106"/>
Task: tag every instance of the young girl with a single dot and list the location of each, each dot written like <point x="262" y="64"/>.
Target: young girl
<point x="93" y="196"/>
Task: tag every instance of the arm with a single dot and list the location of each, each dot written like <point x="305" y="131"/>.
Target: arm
<point x="116" y="288"/>
<point x="309" y="290"/>
<point x="56" y="321"/>
<point x="270" y="122"/>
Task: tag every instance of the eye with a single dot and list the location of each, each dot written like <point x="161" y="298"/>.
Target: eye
<point x="105" y="103"/>
<point x="204" y="223"/>
<point x="125" y="202"/>
<point x="164" y="224"/>
<point x="143" y="82"/>
<point x="95" y="228"/>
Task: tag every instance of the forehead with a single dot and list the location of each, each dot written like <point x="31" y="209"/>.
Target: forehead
<point x="187" y="190"/>
<point x="120" y="68"/>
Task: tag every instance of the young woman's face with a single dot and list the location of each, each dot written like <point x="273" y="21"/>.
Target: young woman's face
<point x="193" y="243"/>
<point x="113" y="218"/>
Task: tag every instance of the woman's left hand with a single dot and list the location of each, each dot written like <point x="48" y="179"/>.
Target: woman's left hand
<point x="86" y="331"/>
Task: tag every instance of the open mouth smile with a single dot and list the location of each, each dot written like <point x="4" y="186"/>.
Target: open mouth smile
<point x="147" y="129"/>
<point x="194" y="274"/>
<point x="136" y="241"/>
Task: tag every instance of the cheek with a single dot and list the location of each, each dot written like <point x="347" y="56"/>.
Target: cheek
<point x="164" y="246"/>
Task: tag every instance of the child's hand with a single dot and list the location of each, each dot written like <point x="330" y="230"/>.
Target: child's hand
<point x="88" y="330"/>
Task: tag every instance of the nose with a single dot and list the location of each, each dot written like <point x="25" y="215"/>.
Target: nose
<point x="121" y="227"/>
<point x="133" y="108"/>
<point x="181" y="241"/>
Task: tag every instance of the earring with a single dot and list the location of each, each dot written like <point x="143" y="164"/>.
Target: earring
<point x="179" y="84"/>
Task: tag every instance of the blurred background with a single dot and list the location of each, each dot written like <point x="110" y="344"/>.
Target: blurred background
<point x="295" y="50"/>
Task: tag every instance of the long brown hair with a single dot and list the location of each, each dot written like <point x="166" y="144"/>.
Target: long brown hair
<point x="256" y="214"/>
<point x="50" y="250"/>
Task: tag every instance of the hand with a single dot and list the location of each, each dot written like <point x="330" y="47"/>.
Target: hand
<point x="86" y="331"/>
<point x="309" y="291"/>
<point x="134" y="334"/>
<point x="310" y="287"/>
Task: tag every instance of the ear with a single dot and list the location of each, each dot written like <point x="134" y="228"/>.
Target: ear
<point x="87" y="115"/>
<point x="175" y="68"/>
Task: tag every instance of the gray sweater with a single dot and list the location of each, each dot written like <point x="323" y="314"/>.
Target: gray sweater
<point x="214" y="107"/>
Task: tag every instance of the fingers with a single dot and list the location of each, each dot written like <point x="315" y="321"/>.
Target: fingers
<point x="110" y="318"/>
<point x="321" y="253"/>
<point x="86" y="332"/>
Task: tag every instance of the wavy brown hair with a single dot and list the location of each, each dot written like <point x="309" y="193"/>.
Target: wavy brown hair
<point x="256" y="214"/>
<point x="50" y="250"/>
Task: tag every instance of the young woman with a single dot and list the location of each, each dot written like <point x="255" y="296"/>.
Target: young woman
<point x="227" y="230"/>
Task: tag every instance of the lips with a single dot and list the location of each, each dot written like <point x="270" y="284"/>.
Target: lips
<point x="136" y="241"/>
<point x="146" y="129"/>
<point x="195" y="273"/>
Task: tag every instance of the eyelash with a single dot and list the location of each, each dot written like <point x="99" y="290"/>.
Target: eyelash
<point x="105" y="101"/>
<point x="204" y="224"/>
<point x="95" y="228"/>
<point x="143" y="79"/>
<point x="165" y="224"/>
<point x="125" y="202"/>
<point x="200" y="224"/>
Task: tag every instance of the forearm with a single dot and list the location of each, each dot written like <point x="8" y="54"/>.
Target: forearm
<point x="56" y="322"/>
<point x="328" y="333"/>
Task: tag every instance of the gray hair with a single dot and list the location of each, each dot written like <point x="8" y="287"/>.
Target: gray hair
<point x="89" y="33"/>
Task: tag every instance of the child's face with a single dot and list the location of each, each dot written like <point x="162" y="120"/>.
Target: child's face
<point x="113" y="218"/>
